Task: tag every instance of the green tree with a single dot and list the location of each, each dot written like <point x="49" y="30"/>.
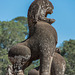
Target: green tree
<point x="68" y="51"/>
<point x="11" y="32"/>
<point x="22" y="20"/>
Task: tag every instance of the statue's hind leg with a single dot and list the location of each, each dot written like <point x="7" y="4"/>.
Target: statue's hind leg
<point x="18" y="56"/>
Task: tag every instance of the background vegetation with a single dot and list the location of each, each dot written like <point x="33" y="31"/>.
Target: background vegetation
<point x="14" y="31"/>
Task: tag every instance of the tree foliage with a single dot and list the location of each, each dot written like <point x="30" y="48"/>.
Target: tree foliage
<point x="68" y="51"/>
<point x="23" y="20"/>
<point x="11" y="32"/>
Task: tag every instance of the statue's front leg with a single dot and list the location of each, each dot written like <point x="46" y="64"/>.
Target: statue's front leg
<point x="46" y="57"/>
<point x="45" y="65"/>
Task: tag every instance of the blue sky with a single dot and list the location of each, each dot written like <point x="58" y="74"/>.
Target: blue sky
<point x="64" y="13"/>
